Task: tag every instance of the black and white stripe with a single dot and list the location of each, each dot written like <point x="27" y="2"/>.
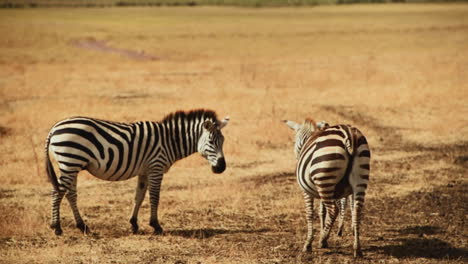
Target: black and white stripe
<point x="119" y="151"/>
<point x="341" y="203"/>
<point x="332" y="163"/>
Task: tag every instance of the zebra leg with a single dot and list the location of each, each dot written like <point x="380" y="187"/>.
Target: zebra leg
<point x="359" y="186"/>
<point x="322" y="215"/>
<point x="65" y="183"/>
<point x="351" y="208"/>
<point x="358" y="180"/>
<point x="72" y="198"/>
<point x="154" y="182"/>
<point x="309" y="201"/>
<point x="332" y="212"/>
<point x="57" y="196"/>
<point x="141" y="188"/>
<point x="342" y="205"/>
<point x="356" y="219"/>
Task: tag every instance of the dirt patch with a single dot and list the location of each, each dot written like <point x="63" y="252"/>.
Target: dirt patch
<point x="176" y="188"/>
<point x="6" y="193"/>
<point x="423" y="224"/>
<point x="284" y="177"/>
<point x="386" y="133"/>
<point x="4" y="131"/>
<point x="102" y="46"/>
<point x="209" y="232"/>
<point x="270" y="145"/>
<point x="451" y="154"/>
<point x="461" y="160"/>
<point x="391" y="137"/>
<point x="247" y="165"/>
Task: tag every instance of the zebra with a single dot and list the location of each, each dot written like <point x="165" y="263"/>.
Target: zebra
<point x="333" y="162"/>
<point x="119" y="151"/>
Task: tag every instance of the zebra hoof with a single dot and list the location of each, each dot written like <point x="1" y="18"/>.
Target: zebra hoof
<point x="58" y="231"/>
<point x="83" y="228"/>
<point x="307" y="248"/>
<point x="358" y="254"/>
<point x="135" y="227"/>
<point x="157" y="227"/>
<point x="340" y="233"/>
<point x="323" y="244"/>
<point x="158" y="231"/>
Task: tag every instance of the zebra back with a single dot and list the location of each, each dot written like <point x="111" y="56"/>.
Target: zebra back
<point x="326" y="161"/>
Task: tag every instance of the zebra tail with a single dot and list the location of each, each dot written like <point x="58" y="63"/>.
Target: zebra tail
<point x="50" y="169"/>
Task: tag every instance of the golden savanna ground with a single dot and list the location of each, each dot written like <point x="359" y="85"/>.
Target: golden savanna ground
<point x="398" y="72"/>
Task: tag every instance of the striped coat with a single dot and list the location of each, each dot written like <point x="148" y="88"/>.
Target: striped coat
<point x="332" y="163"/>
<point x="119" y="151"/>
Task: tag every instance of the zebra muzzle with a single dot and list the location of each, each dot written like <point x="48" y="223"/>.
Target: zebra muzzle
<point x="220" y="166"/>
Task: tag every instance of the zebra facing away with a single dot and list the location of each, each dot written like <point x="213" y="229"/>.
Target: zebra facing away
<point x="119" y="151"/>
<point x="332" y="163"/>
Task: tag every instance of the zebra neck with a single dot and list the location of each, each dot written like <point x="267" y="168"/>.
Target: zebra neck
<point x="180" y="138"/>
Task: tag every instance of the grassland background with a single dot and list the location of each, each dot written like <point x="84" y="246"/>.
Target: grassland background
<point x="396" y="71"/>
<point x="241" y="3"/>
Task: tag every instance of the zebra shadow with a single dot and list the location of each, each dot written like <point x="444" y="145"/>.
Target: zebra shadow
<point x="421" y="246"/>
<point x="202" y="233"/>
<point x="210" y="232"/>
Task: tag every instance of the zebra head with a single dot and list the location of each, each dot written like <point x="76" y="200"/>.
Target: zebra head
<point x="303" y="133"/>
<point x="210" y="144"/>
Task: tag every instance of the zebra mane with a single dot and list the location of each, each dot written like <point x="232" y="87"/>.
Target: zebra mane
<point x="310" y="124"/>
<point x="196" y="114"/>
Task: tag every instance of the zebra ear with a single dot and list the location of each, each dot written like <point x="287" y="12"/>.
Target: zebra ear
<point x="208" y="125"/>
<point x="293" y="125"/>
<point x="224" y="122"/>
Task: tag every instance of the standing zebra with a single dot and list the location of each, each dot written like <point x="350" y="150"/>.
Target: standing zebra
<point x="332" y="163"/>
<point x="118" y="151"/>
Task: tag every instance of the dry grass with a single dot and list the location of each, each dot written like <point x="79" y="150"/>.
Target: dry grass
<point x="396" y="71"/>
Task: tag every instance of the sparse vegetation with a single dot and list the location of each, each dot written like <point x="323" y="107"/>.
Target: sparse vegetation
<point x="398" y="72"/>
